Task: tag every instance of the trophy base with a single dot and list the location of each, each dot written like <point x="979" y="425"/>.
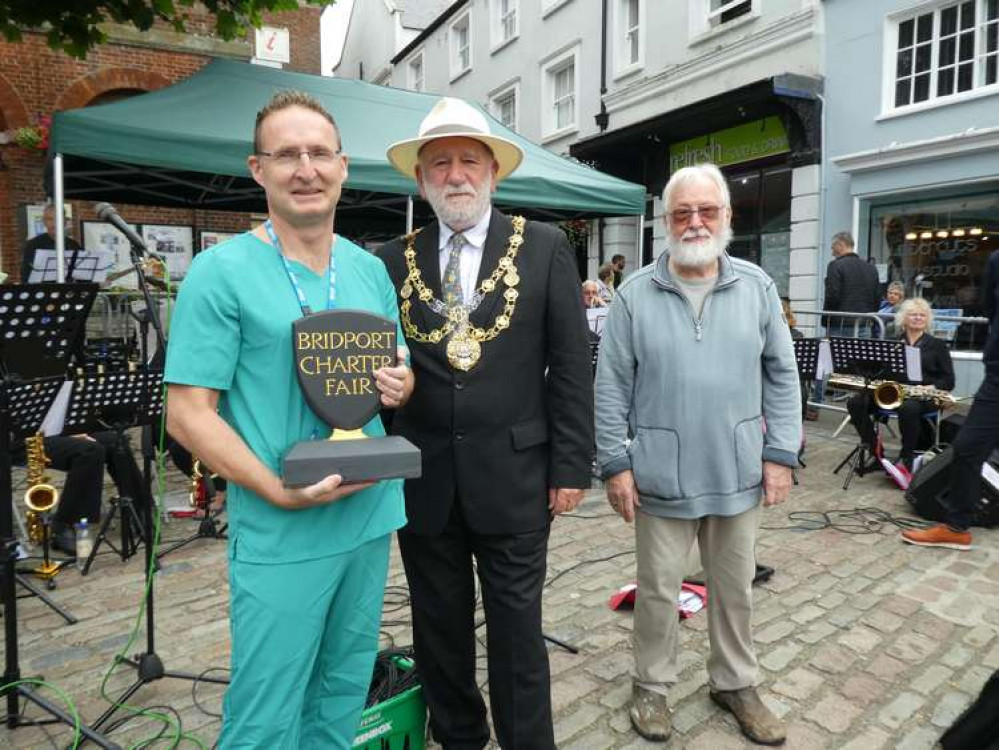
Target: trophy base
<point x="371" y="459"/>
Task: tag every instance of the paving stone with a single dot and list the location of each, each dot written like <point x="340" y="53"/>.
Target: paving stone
<point x="921" y="738"/>
<point x="861" y="639"/>
<point x="808" y="613"/>
<point x="618" y="697"/>
<point x="898" y="712"/>
<point x="949" y="708"/>
<point x="979" y="636"/>
<point x="973" y="679"/>
<point x="576" y="721"/>
<point x="817" y="631"/>
<point x="612" y="666"/>
<point x="776" y="632"/>
<point x="862" y="690"/>
<point x="832" y="657"/>
<point x="886" y="668"/>
<point x="883" y="621"/>
<point x="833" y="713"/>
<point x="693" y="713"/>
<point x="872" y="739"/>
<point x="711" y="739"/>
<point x="600" y="739"/>
<point x="778" y="659"/>
<point x="798" y="684"/>
<point x="933" y="677"/>
<point x="912" y="647"/>
<point x="802" y="736"/>
<point x="567" y="690"/>
<point x="956" y="656"/>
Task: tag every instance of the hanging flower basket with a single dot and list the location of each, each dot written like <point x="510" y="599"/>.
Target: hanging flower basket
<point x="576" y="230"/>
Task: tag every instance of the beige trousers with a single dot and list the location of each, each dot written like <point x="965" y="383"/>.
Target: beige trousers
<point x="729" y="563"/>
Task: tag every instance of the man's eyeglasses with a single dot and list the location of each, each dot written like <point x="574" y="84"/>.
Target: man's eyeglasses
<point x="684" y="215"/>
<point x="291" y="157"/>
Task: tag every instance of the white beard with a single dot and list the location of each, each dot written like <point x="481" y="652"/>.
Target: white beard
<point x="698" y="254"/>
<point x="464" y="214"/>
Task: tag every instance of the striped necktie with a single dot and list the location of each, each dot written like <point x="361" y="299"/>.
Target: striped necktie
<point x="451" y="283"/>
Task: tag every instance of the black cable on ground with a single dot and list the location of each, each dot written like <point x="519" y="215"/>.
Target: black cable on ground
<point x="194" y="691"/>
<point x="848" y="521"/>
<point x="581" y="563"/>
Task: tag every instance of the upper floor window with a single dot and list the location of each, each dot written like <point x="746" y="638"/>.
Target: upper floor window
<point x="504" y="106"/>
<point x="505" y="25"/>
<point x="460" y="35"/>
<point x="944" y="51"/>
<point x="415" y="74"/>
<point x="559" y="94"/>
<point x="723" y="11"/>
<point x="628" y="25"/>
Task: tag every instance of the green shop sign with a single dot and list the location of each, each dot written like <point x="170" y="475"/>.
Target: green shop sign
<point x="754" y="140"/>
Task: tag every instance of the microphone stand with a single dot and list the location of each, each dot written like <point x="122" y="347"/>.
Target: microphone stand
<point x="148" y="665"/>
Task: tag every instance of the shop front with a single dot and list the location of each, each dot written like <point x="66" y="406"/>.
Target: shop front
<point x="755" y="159"/>
<point x="936" y="245"/>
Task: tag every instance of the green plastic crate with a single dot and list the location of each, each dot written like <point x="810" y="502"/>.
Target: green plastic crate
<point x="396" y="724"/>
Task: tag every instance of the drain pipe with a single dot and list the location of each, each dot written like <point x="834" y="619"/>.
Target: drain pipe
<point x="602" y="119"/>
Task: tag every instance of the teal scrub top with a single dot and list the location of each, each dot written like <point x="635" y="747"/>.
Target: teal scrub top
<point x="231" y="332"/>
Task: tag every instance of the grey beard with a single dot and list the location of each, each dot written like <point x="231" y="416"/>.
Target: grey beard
<point x="700" y="254"/>
<point x="463" y="217"/>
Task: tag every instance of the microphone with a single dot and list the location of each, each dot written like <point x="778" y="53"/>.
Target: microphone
<point x="107" y="213"/>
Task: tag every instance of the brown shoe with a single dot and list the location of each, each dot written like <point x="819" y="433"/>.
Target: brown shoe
<point x="757" y="721"/>
<point x="939" y="536"/>
<point x="650" y="714"/>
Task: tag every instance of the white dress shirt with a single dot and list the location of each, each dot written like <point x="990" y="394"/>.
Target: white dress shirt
<point x="471" y="253"/>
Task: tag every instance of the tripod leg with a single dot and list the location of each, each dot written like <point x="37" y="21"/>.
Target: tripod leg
<point x="35" y="591"/>
<point x="847" y="460"/>
<point x="101" y="535"/>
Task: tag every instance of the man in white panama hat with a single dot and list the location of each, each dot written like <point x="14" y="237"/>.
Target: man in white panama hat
<point x="503" y="414"/>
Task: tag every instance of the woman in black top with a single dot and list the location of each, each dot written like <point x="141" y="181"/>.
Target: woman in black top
<point x="913" y="319"/>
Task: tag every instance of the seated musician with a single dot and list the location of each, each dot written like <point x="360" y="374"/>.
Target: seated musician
<point x="913" y="319"/>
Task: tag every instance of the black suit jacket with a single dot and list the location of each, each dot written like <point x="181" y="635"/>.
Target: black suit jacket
<point x="936" y="363"/>
<point x="521" y="421"/>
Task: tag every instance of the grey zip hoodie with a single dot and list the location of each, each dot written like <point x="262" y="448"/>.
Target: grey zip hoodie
<point x="694" y="406"/>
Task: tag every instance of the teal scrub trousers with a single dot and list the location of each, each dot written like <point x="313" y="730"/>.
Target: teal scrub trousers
<point x="304" y="640"/>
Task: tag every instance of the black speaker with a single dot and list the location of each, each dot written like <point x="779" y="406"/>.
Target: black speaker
<point x="929" y="488"/>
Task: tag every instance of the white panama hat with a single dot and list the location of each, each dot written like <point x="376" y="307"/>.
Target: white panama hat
<point x="454" y="118"/>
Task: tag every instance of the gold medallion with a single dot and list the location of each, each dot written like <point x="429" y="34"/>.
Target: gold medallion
<point x="406" y="291"/>
<point x="463" y="351"/>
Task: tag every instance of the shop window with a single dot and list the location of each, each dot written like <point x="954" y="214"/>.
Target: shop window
<point x="943" y="52"/>
<point x="761" y="220"/>
<point x="938" y="248"/>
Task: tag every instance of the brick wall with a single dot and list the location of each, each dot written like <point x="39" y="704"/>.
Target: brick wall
<point x="36" y="81"/>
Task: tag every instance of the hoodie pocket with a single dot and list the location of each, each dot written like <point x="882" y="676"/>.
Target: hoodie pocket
<point x="749" y="452"/>
<point x="655" y="462"/>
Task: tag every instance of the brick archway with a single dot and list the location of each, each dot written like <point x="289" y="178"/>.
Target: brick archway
<point x="12" y="110"/>
<point x="84" y="90"/>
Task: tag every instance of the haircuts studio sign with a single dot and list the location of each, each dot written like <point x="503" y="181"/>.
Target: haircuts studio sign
<point x="743" y="143"/>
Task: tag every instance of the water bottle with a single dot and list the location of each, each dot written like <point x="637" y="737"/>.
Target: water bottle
<point x="84" y="543"/>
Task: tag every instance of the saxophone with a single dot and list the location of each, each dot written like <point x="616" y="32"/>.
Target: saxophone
<point x="41" y="497"/>
<point x="889" y="394"/>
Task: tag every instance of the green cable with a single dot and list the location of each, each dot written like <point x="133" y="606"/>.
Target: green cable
<point x="63" y="696"/>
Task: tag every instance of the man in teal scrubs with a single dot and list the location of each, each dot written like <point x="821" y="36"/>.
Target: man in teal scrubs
<point x="306" y="566"/>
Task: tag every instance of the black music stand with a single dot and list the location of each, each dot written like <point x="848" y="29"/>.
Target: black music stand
<point x="870" y="359"/>
<point x="117" y="401"/>
<point x="806" y="357"/>
<point x="46" y="321"/>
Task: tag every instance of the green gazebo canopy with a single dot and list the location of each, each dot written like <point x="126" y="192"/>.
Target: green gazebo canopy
<point x="186" y="146"/>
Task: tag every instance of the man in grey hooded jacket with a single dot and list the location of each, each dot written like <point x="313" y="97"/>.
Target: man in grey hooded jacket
<point x="698" y="419"/>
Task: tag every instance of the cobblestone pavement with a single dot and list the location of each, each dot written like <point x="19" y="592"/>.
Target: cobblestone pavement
<point x="864" y="642"/>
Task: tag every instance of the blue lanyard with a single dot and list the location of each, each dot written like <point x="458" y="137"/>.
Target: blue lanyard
<point x="302" y="301"/>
